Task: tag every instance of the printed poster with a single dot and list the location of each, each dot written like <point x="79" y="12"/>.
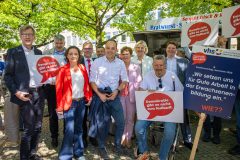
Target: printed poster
<point x="203" y="32"/>
<point x="231" y="22"/>
<point x="160" y="106"/>
<point x="212" y="80"/>
<point x="44" y="68"/>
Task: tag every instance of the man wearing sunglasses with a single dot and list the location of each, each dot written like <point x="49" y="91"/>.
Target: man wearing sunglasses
<point x="159" y="79"/>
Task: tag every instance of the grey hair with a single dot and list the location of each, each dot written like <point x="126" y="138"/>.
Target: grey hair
<point x="160" y="57"/>
<point x="59" y="37"/>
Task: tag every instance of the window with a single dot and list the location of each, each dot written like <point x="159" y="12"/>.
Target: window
<point x="124" y="38"/>
<point x="107" y="35"/>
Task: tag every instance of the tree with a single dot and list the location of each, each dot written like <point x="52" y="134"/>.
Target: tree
<point x="15" y="13"/>
<point x="174" y="8"/>
<point x="90" y="17"/>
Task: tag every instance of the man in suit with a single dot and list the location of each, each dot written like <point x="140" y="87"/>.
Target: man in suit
<point x="179" y="65"/>
<point x="25" y="92"/>
<point x="87" y="61"/>
<point x="50" y="92"/>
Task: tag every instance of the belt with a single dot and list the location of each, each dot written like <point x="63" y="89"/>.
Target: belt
<point x="78" y="99"/>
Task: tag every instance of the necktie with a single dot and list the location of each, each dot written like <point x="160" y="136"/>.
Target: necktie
<point x="89" y="65"/>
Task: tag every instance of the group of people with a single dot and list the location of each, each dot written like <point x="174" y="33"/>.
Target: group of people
<point x="89" y="91"/>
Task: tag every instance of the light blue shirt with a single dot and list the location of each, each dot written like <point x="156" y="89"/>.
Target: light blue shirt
<point x="172" y="64"/>
<point x="105" y="73"/>
<point x="146" y="64"/>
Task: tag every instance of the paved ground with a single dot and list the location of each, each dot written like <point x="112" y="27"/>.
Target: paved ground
<point x="207" y="151"/>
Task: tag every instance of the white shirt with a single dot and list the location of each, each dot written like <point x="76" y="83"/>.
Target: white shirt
<point x="86" y="63"/>
<point x="172" y="64"/>
<point x="27" y="52"/>
<point x="105" y="73"/>
<point x="77" y="84"/>
<point x="150" y="82"/>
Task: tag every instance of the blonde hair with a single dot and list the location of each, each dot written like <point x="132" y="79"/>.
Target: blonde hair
<point x="143" y="43"/>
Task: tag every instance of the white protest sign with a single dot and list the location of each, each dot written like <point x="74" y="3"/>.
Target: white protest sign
<point x="44" y="68"/>
<point x="160" y="106"/>
<point x="199" y="33"/>
<point x="231" y="22"/>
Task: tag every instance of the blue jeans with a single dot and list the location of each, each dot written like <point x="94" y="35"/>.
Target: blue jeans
<point x="168" y="137"/>
<point x="116" y="112"/>
<point x="185" y="128"/>
<point x="72" y="145"/>
<point x="237" y="109"/>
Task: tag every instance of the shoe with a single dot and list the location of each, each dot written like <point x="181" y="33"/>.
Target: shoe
<point x="144" y="156"/>
<point x="81" y="158"/>
<point x="103" y="153"/>
<point x="35" y="157"/>
<point x="235" y="150"/>
<point x="216" y="140"/>
<point x="85" y="143"/>
<point x="189" y="145"/>
<point x="118" y="150"/>
<point x="54" y="142"/>
<point x="206" y="138"/>
<point x="93" y="141"/>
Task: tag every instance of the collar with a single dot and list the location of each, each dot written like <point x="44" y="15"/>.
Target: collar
<point x="105" y="58"/>
<point x="26" y="49"/>
<point x="173" y="58"/>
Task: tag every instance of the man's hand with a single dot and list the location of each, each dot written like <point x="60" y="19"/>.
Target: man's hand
<point x="22" y="96"/>
<point x="103" y="97"/>
<point x="113" y="95"/>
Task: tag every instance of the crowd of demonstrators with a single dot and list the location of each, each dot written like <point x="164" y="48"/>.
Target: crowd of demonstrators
<point x="73" y="94"/>
<point x="87" y="92"/>
<point x="50" y="91"/>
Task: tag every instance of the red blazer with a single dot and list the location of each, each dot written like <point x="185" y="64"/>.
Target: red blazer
<point x="64" y="87"/>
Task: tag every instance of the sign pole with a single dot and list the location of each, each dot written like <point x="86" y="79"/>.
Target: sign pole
<point x="197" y="135"/>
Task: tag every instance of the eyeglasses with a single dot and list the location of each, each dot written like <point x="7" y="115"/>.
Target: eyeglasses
<point x="27" y="34"/>
<point x="88" y="49"/>
<point x="160" y="82"/>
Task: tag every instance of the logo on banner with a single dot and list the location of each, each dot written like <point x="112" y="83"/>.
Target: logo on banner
<point x="199" y="58"/>
<point x="48" y="67"/>
<point x="235" y="21"/>
<point x="158" y="104"/>
<point x="198" y="32"/>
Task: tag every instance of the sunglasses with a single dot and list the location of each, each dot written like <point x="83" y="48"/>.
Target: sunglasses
<point x="160" y="82"/>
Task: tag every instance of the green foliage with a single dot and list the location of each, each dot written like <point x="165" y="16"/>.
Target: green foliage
<point x="15" y="13"/>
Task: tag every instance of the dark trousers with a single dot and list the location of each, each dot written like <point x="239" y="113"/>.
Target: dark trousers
<point x="84" y="125"/>
<point x="116" y="111"/>
<point x="185" y="128"/>
<point x="50" y="95"/>
<point x="216" y="125"/>
<point x="31" y="113"/>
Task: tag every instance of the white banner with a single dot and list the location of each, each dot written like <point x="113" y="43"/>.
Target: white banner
<point x="199" y="33"/>
<point x="159" y="106"/>
<point x="44" y="68"/>
<point x="231" y="22"/>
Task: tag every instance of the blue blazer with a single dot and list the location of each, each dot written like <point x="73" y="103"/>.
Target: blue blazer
<point x="17" y="76"/>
